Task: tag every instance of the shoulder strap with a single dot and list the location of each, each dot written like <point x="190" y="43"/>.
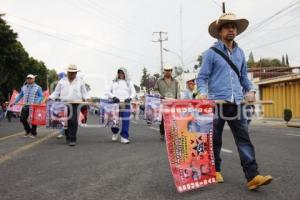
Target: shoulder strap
<point x="228" y="60"/>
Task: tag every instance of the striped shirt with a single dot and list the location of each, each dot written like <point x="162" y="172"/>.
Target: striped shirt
<point x="31" y="93"/>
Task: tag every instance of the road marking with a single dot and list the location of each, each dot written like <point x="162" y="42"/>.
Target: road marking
<point x="153" y="128"/>
<point x="293" y="135"/>
<point x="20" y="150"/>
<point x="134" y="122"/>
<point x="14" y="135"/>
<point x="226" y="150"/>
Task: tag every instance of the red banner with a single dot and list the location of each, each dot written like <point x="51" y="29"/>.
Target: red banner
<point x="17" y="107"/>
<point x="188" y="130"/>
<point x="38" y="115"/>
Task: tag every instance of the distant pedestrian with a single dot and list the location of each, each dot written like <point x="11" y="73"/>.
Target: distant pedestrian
<point x="167" y="87"/>
<point x="190" y="92"/>
<point x="31" y="94"/>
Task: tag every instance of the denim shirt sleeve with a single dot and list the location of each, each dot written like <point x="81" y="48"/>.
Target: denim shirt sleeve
<point x="245" y="82"/>
<point x="39" y="95"/>
<point x="205" y="71"/>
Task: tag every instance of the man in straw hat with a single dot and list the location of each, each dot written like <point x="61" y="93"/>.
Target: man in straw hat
<point x="223" y="76"/>
<point x="32" y="94"/>
<point x="71" y="89"/>
<point x="167" y="87"/>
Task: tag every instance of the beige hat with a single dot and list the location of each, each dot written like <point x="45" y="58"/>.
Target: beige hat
<point x="72" y="68"/>
<point x="214" y="27"/>
<point x="31" y="76"/>
<point x="168" y="67"/>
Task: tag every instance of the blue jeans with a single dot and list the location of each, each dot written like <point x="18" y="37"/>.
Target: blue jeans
<point x="237" y="121"/>
<point x="125" y="117"/>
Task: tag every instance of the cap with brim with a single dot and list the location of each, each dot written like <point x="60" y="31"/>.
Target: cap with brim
<point x="191" y="81"/>
<point x="72" y="68"/>
<point x="226" y="18"/>
<point x="31" y="76"/>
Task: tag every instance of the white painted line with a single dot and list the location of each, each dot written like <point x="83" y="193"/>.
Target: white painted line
<point x="293" y="135"/>
<point x="226" y="150"/>
<point x="153" y="128"/>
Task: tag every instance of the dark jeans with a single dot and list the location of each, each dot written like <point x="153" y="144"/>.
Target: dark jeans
<point x="71" y="131"/>
<point x="24" y="120"/>
<point x="239" y="129"/>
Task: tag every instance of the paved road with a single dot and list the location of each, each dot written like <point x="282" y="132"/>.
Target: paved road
<point x="45" y="168"/>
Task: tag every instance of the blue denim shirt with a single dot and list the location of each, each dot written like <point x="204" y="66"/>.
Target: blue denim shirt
<point x="216" y="78"/>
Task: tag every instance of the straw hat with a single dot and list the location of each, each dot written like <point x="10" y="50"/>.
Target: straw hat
<point x="214" y="27"/>
<point x="72" y="68"/>
<point x="168" y="67"/>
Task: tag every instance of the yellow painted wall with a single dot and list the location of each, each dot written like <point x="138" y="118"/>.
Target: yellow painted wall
<point x="284" y="95"/>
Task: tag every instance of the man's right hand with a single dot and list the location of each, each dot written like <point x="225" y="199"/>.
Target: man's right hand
<point x="201" y="96"/>
<point x="116" y="100"/>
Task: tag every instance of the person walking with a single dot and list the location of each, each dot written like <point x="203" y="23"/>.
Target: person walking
<point x="32" y="94"/>
<point x="190" y="92"/>
<point x="72" y="90"/>
<point x="168" y="88"/>
<point x="223" y="76"/>
<point x="122" y="91"/>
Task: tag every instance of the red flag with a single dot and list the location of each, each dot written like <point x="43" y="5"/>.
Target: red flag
<point x="17" y="107"/>
<point x="38" y="115"/>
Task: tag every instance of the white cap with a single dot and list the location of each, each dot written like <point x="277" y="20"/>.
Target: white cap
<point x="31" y="76"/>
<point x="168" y="67"/>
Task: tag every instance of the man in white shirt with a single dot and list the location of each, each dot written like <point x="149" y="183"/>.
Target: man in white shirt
<point x="71" y="89"/>
<point x="122" y="91"/>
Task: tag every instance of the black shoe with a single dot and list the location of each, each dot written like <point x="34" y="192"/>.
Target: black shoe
<point x="72" y="144"/>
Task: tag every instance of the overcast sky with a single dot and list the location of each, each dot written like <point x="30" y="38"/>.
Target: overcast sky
<point x="101" y="35"/>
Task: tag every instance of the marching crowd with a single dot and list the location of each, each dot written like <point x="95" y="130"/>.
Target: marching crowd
<point x="223" y="76"/>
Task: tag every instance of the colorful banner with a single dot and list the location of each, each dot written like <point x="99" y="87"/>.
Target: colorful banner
<point x="17" y="107"/>
<point x="152" y="113"/>
<point x="57" y="115"/>
<point x="37" y="115"/>
<point x="189" y="139"/>
<point x="109" y="113"/>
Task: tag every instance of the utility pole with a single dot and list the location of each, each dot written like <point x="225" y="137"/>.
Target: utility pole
<point x="163" y="36"/>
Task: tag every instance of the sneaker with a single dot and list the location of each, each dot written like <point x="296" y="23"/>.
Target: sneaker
<point x="258" y="181"/>
<point x="219" y="177"/>
<point x="124" y="140"/>
<point x="60" y="136"/>
<point x="72" y="144"/>
<point x="26" y="135"/>
<point x="32" y="136"/>
<point x="114" y="137"/>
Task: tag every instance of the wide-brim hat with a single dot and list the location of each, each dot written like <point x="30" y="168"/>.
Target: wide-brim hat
<point x="72" y="68"/>
<point x="215" y="26"/>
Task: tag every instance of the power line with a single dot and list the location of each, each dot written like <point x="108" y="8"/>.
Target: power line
<point x="89" y="38"/>
<point x="79" y="44"/>
<point x="275" y="42"/>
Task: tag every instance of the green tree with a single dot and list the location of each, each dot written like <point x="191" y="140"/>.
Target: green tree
<point x="15" y="63"/>
<point x="145" y="78"/>
<point x="251" y="61"/>
<point x="287" y="60"/>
